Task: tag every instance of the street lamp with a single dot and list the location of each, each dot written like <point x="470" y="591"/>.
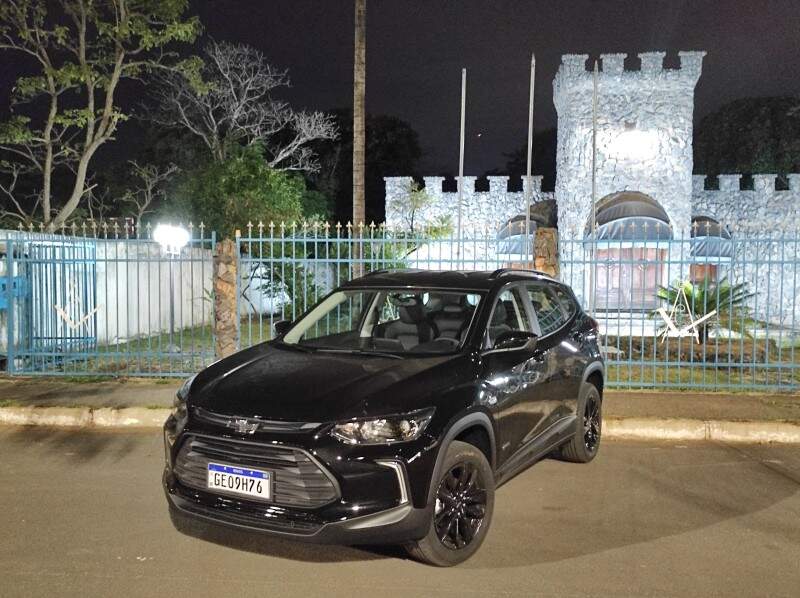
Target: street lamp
<point x="172" y="239"/>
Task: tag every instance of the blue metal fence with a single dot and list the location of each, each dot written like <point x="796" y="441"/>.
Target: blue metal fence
<point x="100" y="300"/>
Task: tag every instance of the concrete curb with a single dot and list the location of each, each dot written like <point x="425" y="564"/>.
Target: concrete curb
<point x="613" y="427"/>
<point x="693" y="429"/>
<point x="132" y="417"/>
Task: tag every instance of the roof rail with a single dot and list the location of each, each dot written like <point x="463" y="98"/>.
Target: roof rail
<point x="503" y="271"/>
<point x="375" y="272"/>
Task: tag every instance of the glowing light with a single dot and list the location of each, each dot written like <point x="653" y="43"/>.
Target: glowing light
<point x="634" y="144"/>
<point x="171" y="238"/>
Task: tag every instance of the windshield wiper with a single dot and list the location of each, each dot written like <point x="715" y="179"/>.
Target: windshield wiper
<point x="360" y="352"/>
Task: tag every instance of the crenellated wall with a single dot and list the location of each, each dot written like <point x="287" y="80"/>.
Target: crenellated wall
<point x="482" y="211"/>
<point x="760" y="209"/>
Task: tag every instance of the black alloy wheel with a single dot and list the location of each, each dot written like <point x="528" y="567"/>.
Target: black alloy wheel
<point x="462" y="497"/>
<point x="585" y="442"/>
<point x="591" y="423"/>
<point x="460" y="506"/>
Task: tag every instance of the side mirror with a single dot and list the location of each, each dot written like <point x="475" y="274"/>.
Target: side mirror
<point x="282" y="327"/>
<point x="515" y="340"/>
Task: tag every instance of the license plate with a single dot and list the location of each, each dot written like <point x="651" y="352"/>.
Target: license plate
<point x="240" y="480"/>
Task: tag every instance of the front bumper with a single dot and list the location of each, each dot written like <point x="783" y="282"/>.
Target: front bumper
<point x="380" y="497"/>
<point x="391" y="526"/>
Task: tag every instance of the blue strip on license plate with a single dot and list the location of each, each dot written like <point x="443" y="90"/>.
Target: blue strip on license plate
<point x="251" y="473"/>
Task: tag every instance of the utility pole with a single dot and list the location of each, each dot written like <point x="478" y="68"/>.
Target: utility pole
<point x="359" y="87"/>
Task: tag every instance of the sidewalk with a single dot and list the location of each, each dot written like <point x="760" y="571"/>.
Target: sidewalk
<point x="666" y="415"/>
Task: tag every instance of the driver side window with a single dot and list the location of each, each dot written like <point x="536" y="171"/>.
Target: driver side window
<point x="508" y="314"/>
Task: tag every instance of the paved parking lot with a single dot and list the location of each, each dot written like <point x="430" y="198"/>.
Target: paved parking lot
<point x="83" y="514"/>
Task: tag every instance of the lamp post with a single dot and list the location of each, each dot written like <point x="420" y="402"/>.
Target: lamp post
<point x="172" y="239"/>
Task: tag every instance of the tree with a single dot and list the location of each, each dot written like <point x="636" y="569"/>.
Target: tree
<point x="392" y="149"/>
<point x="82" y="51"/>
<point x="752" y="135"/>
<point x="544" y="158"/>
<point x="150" y="188"/>
<point x="235" y="107"/>
<point x="243" y="188"/>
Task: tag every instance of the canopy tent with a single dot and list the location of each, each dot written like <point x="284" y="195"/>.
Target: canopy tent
<point x="629" y="216"/>
<point x="512" y="238"/>
<point x="711" y="241"/>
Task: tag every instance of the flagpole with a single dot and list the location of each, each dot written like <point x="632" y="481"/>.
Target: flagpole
<point x="594" y="192"/>
<point x="529" y="188"/>
<point x="461" y="163"/>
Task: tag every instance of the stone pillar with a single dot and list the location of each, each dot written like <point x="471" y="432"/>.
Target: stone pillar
<point x="226" y="263"/>
<point x="794" y="182"/>
<point x="545" y="251"/>
<point x="652" y="62"/>
<point x="498" y="185"/>
<point x="613" y="64"/>
<point x="764" y="183"/>
<point x="535" y="183"/>
<point x="729" y="182"/>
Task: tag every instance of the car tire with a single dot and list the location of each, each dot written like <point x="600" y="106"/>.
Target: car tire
<point x="462" y="509"/>
<point x="585" y="443"/>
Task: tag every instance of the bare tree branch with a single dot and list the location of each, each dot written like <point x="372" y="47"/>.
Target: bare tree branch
<point x="238" y="108"/>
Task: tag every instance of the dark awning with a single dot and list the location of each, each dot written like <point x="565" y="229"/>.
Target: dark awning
<point x="629" y="216"/>
<point x="710" y="240"/>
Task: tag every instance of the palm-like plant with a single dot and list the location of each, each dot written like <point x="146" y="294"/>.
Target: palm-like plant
<point x="707" y="296"/>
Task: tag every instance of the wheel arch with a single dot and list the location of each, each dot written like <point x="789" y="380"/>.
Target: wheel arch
<point x="595" y="373"/>
<point x="477" y="421"/>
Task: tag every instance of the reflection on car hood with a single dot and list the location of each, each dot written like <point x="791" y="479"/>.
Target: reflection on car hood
<point x="284" y="384"/>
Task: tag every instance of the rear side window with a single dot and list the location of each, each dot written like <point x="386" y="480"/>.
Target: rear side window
<point x="553" y="306"/>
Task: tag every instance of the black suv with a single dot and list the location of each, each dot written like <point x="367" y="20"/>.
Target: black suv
<point x="390" y="411"/>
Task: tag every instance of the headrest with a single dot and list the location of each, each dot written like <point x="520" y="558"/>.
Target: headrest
<point x="453" y="309"/>
<point x="411" y="314"/>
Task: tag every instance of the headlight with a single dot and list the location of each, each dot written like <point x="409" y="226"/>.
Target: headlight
<point x="385" y="430"/>
<point x="179" y="402"/>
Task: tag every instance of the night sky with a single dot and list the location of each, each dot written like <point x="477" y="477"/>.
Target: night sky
<point x="416" y="48"/>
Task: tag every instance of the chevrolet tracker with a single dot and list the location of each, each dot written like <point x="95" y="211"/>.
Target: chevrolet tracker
<point x="390" y="412"/>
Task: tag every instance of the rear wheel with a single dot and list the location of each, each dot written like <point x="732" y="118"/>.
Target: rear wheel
<point x="463" y="509"/>
<point x="584" y="445"/>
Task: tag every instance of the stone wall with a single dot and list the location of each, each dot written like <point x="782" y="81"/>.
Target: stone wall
<point x="483" y="212"/>
<point x="761" y="209"/>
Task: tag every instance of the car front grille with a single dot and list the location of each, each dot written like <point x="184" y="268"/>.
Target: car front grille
<point x="299" y="481"/>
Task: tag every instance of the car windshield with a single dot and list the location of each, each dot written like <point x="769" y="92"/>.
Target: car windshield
<point x="388" y="321"/>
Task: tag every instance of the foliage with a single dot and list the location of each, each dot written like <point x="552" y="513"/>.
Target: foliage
<point x="724" y="298"/>
<point x="67" y="109"/>
<point x="392" y="149"/>
<point x="227" y="195"/>
<point x="544" y="158"/>
<point x="753" y="135"/>
<point x="235" y="106"/>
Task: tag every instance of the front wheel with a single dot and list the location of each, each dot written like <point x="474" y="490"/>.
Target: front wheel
<point x="584" y="445"/>
<point x="463" y="509"/>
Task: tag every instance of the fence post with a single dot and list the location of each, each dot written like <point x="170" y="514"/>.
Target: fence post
<point x="11" y="305"/>
<point x="226" y="262"/>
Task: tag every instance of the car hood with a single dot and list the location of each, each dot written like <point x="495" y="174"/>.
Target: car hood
<point x="284" y="384"/>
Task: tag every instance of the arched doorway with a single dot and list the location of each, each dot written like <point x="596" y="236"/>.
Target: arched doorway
<point x="628" y="244"/>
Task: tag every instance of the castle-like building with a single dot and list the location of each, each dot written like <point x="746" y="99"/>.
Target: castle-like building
<point x="643" y="175"/>
<point x="644" y="144"/>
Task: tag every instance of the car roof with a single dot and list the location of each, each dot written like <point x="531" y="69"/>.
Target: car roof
<point x="445" y="279"/>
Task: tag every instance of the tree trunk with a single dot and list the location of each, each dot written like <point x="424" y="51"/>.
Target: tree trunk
<point x="359" y="84"/>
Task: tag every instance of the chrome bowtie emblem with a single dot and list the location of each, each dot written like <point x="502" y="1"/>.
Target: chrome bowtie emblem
<point x="244" y="426"/>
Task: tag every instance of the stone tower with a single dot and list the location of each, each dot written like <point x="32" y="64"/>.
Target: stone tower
<point x="644" y="135"/>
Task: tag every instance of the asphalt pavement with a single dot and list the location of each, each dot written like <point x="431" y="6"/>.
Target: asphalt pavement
<point x="82" y="514"/>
